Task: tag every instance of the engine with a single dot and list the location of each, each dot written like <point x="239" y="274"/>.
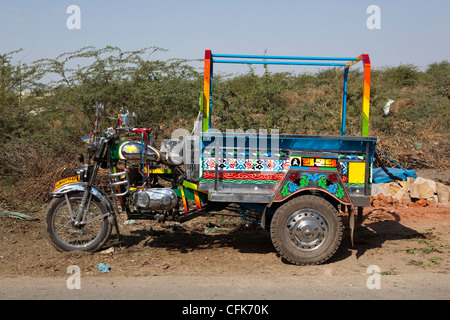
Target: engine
<point x="155" y="199"/>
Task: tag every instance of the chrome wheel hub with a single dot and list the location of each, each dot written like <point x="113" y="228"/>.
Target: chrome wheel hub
<point x="307" y="229"/>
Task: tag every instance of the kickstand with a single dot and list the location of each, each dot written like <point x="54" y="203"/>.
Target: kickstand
<point x="113" y="219"/>
<point x="352" y="223"/>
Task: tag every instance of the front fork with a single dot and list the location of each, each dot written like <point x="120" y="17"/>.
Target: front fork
<point x="87" y="195"/>
<point x="80" y="215"/>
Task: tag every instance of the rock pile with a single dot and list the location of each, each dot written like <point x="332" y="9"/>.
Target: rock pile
<point x="414" y="192"/>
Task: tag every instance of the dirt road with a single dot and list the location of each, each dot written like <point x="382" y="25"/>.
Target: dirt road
<point x="403" y="251"/>
<point x="429" y="286"/>
<point x="398" y="253"/>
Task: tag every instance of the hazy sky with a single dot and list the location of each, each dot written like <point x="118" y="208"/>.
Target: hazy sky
<point x="414" y="32"/>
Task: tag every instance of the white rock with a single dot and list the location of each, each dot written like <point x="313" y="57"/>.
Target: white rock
<point x="422" y="188"/>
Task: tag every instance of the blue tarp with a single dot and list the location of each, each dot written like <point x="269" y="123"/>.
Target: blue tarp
<point x="379" y="176"/>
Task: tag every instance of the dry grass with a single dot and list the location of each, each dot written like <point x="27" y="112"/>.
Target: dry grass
<point x="32" y="172"/>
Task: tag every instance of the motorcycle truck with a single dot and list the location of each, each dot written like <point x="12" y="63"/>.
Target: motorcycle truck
<point x="299" y="184"/>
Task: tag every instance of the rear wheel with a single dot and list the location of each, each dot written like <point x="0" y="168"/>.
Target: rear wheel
<point x="306" y="230"/>
<point x="65" y="235"/>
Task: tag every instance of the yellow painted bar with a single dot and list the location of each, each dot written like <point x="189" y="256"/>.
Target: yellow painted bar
<point x="366" y="96"/>
<point x="190" y="185"/>
<point x="159" y="171"/>
<point x="197" y="200"/>
<point x="186" y="209"/>
<point x="206" y="91"/>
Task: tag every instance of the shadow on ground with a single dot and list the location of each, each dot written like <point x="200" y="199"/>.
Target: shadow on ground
<point x="377" y="227"/>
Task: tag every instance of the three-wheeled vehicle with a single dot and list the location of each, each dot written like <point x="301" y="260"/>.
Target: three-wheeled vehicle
<point x="298" y="183"/>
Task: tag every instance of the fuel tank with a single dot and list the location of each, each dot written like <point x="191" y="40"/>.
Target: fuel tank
<point x="132" y="150"/>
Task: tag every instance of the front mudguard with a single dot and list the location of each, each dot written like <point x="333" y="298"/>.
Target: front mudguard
<point x="81" y="187"/>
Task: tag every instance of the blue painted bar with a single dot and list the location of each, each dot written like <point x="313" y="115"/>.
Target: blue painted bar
<point x="283" y="57"/>
<point x="336" y="64"/>
<point x="344" y="101"/>
<point x="293" y="142"/>
<point x="345" y="62"/>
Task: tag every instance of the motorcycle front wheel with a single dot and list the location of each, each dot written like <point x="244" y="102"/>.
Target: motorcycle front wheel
<point x="65" y="235"/>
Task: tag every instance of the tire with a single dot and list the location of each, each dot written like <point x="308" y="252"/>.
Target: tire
<point x="306" y="230"/>
<point x="65" y="236"/>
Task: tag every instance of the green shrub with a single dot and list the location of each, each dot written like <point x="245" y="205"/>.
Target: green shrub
<point x="42" y="118"/>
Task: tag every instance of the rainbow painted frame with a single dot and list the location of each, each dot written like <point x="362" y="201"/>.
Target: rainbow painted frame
<point x="346" y="62"/>
<point x="224" y="178"/>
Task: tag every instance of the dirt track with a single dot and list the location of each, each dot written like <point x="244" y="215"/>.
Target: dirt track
<point x="412" y="244"/>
